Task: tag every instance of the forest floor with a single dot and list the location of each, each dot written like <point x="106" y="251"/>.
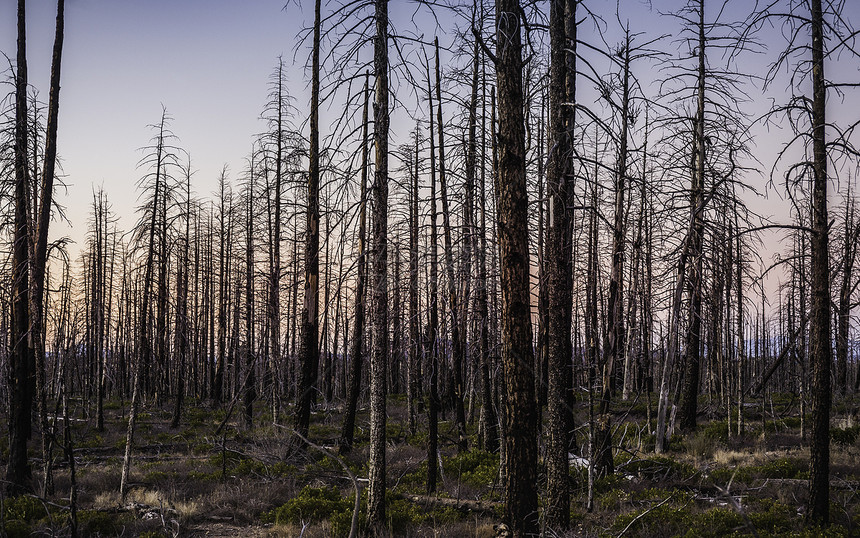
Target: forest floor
<point x="188" y="481"/>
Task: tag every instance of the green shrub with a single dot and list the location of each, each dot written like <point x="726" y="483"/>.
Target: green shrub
<point x="342" y="521"/>
<point x="661" y="468"/>
<point x="664" y="520"/>
<point x="768" y="515"/>
<point x="716" y="522"/>
<point x="717" y="430"/>
<point x="778" y="468"/>
<point x="476" y="468"/>
<point x="95" y="523"/>
<point x="311" y="505"/>
<point x="18" y="529"/>
<point x="24" y="508"/>
<point x="845" y="436"/>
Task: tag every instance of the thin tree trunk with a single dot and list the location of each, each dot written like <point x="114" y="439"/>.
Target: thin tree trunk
<point x="376" y="520"/>
<point x="309" y="352"/>
<point x="37" y="299"/>
<point x="250" y="357"/>
<point x="488" y="412"/>
<point x="414" y="337"/>
<point x="433" y="329"/>
<point x="20" y="368"/>
<point x="689" y="398"/>
<point x="453" y="298"/>
<point x="356" y="356"/>
<point x="818" y="510"/>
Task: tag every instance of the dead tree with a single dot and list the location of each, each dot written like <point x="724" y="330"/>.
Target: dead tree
<point x="309" y="351"/>
<point x="21" y="367"/>
<point x="562" y="86"/>
<point x="512" y="224"/>
<point x="376" y="520"/>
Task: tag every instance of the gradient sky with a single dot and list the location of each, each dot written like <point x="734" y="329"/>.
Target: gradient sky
<point x="208" y="62"/>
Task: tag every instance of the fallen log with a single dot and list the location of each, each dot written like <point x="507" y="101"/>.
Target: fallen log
<point x="469" y="505"/>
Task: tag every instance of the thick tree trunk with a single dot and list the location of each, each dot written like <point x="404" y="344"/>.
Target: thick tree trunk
<point x="512" y="215"/>
<point x="561" y="190"/>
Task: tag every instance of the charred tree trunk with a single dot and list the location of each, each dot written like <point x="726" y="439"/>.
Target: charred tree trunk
<point x="413" y="386"/>
<point x="512" y="215"/>
<point x="457" y="342"/>
<point x="309" y="351"/>
<point x="488" y="412"/>
<point x="433" y="329"/>
<point x="356" y="355"/>
<point x="20" y="360"/>
<point x="37" y="297"/>
<point x="560" y="187"/>
<point x="818" y="510"/>
<point x="689" y="398"/>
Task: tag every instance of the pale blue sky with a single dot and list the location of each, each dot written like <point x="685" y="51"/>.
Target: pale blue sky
<point x="209" y="62"/>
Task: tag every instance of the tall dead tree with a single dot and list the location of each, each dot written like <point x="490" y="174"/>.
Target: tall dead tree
<point x="182" y="336"/>
<point x="560" y="186"/>
<point x="690" y="391"/>
<point x="273" y="311"/>
<point x="309" y="351"/>
<point x="457" y="341"/>
<point x="512" y="223"/>
<point x="818" y="509"/>
<point x="249" y="378"/>
<point x="358" y="332"/>
<point x="20" y="360"/>
<point x="489" y="419"/>
<point x="40" y="257"/>
<point x="413" y="387"/>
<point x="159" y="158"/>
<point x="376" y="519"/>
<point x="433" y="329"/>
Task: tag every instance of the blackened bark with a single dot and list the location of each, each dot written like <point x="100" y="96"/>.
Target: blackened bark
<point x="457" y="342"/>
<point x="20" y="368"/>
<point x="433" y="329"/>
<point x="356" y="356"/>
<point x="818" y="510"/>
<point x="309" y="350"/>
<point x="690" y="391"/>
<point x="560" y="186"/>
<point x="512" y="216"/>
<point x="37" y="298"/>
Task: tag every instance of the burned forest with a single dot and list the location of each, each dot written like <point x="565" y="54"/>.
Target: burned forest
<point x="422" y="268"/>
